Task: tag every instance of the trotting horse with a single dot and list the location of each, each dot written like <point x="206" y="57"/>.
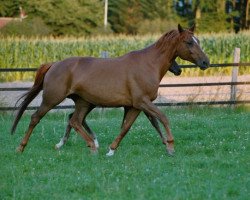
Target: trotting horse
<point x="174" y="68"/>
<point x="130" y="81"/>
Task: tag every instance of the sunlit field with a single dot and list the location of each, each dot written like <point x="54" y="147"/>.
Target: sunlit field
<point x="32" y="52"/>
<point x="211" y="159"/>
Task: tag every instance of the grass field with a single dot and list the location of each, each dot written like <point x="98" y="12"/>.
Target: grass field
<point x="212" y="159"/>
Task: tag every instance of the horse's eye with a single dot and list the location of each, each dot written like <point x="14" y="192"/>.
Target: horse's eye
<point x="190" y="43"/>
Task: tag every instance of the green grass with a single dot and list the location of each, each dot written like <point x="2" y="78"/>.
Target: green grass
<point x="211" y="162"/>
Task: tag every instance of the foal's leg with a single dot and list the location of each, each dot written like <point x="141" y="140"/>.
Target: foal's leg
<point x="86" y="127"/>
<point x="155" y="124"/>
<point x="149" y="107"/>
<point x="65" y="138"/>
<point x="76" y="122"/>
<point x="130" y="116"/>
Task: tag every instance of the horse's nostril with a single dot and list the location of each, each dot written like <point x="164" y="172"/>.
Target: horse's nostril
<point x="204" y="63"/>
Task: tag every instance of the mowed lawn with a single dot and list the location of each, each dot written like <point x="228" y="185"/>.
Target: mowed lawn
<point x="212" y="159"/>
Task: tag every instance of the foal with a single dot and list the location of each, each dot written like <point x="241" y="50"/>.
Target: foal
<point x="131" y="80"/>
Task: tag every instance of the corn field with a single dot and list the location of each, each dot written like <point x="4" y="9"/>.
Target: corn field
<point x="23" y="52"/>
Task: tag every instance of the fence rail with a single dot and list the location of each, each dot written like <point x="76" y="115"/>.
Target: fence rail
<point x="182" y="66"/>
<point x="229" y="102"/>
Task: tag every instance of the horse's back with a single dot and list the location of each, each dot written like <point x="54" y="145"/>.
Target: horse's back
<point x="99" y="81"/>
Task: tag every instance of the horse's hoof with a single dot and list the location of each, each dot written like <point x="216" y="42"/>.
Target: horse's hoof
<point x="20" y="149"/>
<point x="111" y="152"/>
<point x="94" y="151"/>
<point x="59" y="145"/>
<point x="170" y="152"/>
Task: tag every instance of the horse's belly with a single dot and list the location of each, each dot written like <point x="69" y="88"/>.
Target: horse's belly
<point x="106" y="97"/>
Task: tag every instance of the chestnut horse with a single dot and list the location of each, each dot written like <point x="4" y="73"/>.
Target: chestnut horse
<point x="175" y="69"/>
<point x="130" y="81"/>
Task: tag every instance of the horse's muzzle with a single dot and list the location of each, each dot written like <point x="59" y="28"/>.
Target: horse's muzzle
<point x="204" y="64"/>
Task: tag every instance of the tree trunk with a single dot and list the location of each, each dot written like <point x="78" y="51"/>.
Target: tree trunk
<point x="247" y="14"/>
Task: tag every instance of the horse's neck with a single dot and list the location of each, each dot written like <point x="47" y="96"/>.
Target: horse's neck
<point x="162" y="60"/>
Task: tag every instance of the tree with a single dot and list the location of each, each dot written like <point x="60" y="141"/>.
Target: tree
<point x="158" y="16"/>
<point x="68" y="17"/>
<point x="209" y="16"/>
<point x="9" y="8"/>
<point x="124" y="16"/>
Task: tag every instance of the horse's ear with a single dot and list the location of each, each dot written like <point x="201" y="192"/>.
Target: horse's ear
<point x="192" y="28"/>
<point x="180" y="29"/>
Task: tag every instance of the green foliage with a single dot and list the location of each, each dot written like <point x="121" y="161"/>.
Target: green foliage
<point x="212" y="150"/>
<point x="84" y="17"/>
<point x="156" y="26"/>
<point x="9" y="8"/>
<point x="67" y="17"/>
<point x="212" y="22"/>
<point x="124" y="16"/>
<point x="28" y="27"/>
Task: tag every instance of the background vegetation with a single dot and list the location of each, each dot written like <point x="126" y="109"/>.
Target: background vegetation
<point x="85" y="17"/>
<point x="211" y="160"/>
<point x="22" y="52"/>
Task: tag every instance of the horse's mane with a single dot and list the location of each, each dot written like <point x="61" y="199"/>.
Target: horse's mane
<point x="166" y="38"/>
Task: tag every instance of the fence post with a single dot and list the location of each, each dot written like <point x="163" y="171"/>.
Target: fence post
<point x="235" y="74"/>
<point x="104" y="54"/>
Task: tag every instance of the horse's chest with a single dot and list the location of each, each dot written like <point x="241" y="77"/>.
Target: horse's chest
<point x="144" y="89"/>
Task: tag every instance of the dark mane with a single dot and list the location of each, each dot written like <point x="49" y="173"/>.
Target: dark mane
<point x="162" y="43"/>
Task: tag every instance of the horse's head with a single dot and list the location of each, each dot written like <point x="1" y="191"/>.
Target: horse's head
<point x="189" y="48"/>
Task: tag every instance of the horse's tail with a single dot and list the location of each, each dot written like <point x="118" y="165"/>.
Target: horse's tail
<point x="31" y="94"/>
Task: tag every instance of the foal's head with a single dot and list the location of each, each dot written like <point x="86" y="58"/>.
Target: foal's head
<point x="189" y="48"/>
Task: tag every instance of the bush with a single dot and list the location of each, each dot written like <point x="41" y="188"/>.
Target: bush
<point x="26" y="27"/>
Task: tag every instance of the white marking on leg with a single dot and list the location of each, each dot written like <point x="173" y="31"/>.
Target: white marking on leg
<point x="60" y="144"/>
<point x="111" y="152"/>
<point x="96" y="143"/>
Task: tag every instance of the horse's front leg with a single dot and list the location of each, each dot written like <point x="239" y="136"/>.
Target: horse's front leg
<point x="148" y="107"/>
<point x="130" y="116"/>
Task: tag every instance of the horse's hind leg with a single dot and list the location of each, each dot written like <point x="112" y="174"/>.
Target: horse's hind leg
<point x="77" y="119"/>
<point x="35" y="118"/>
<point x="129" y="117"/>
<point x="93" y="135"/>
